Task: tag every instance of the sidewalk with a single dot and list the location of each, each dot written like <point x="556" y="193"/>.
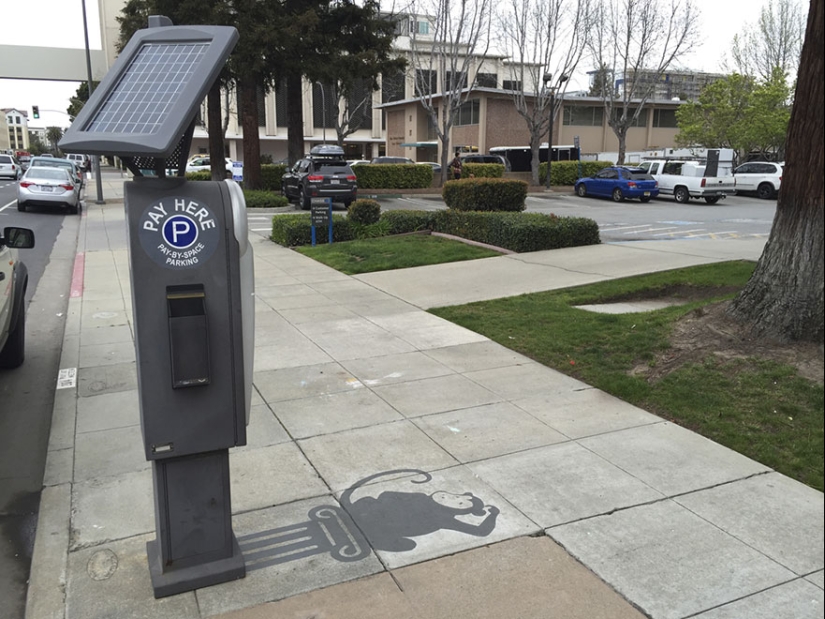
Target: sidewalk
<point x="582" y="505"/>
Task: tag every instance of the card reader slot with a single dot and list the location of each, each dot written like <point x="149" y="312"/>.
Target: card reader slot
<point x="188" y="336"/>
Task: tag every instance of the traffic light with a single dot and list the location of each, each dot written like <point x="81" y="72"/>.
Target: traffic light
<point x="36" y="111"/>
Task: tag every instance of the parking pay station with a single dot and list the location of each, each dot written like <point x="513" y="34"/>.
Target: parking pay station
<point x="192" y="294"/>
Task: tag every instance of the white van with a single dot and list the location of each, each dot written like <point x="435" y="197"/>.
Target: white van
<point x="81" y="161"/>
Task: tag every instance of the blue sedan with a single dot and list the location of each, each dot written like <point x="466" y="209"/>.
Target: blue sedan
<point x="619" y="182"/>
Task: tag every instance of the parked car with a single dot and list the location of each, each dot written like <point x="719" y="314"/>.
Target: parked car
<point x="479" y="158"/>
<point x="15" y="279"/>
<point x="48" y="186"/>
<point x="391" y="160"/>
<point x="25" y="160"/>
<point x="323" y="174"/>
<point x="355" y="162"/>
<point x="10" y="167"/>
<point x="435" y="166"/>
<point x="204" y="163"/>
<point x="55" y="162"/>
<point x="619" y="182"/>
<point x="762" y="177"/>
<point x="81" y="161"/>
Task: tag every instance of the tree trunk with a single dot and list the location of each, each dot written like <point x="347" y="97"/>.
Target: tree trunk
<point x="294" y="118"/>
<point x="621" y="133"/>
<point x="248" y="87"/>
<point x="784" y="297"/>
<point x="213" y="122"/>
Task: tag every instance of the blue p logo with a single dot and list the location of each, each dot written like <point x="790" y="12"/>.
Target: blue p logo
<point x="180" y="232"/>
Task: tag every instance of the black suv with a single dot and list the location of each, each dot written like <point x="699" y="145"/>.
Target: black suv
<point x="323" y="174"/>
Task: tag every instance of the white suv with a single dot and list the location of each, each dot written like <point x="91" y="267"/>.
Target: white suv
<point x="14" y="278"/>
<point x="762" y="177"/>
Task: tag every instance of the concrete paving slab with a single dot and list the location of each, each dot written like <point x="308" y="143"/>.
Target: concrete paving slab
<point x="378" y="307"/>
<point x="373" y="597"/>
<point x="668" y="561"/>
<point x="272" y="572"/>
<point x="425" y="330"/>
<point x="527" y="379"/>
<point x="528" y="578"/>
<point x="419" y="517"/>
<point x="106" y="319"/>
<point x="264" y="429"/>
<point x="106" y="354"/>
<point x="289" y="355"/>
<point x="325" y="414"/>
<point x="354" y="339"/>
<point x="107" y="335"/>
<point x="435" y="395"/>
<point x="391" y="369"/>
<point x="64" y="418"/>
<point x="774" y="514"/>
<point x="488" y="431"/>
<point x="562" y="483"/>
<point x="311" y="300"/>
<point x="585" y="412"/>
<point x="271" y="476"/>
<point x="672" y="459"/>
<point x="108" y="411"/>
<point x="112" y="508"/>
<point x="629" y="308"/>
<point x="109" y="452"/>
<point x="112" y="580"/>
<point x="482" y="355"/>
<point x="817" y="578"/>
<point x="321" y="313"/>
<point x="797" y="599"/>
<point x="304" y="381"/>
<point x="58" y="467"/>
<point x="347" y="457"/>
<point x="282" y="290"/>
<point x="106" y="379"/>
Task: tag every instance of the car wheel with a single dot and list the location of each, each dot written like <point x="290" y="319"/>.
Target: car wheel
<point x="682" y="195"/>
<point x="21" y="207"/>
<point x="765" y="191"/>
<point x="618" y="196"/>
<point x="644" y="199"/>
<point x="347" y="203"/>
<point x="304" y="200"/>
<point x="581" y="190"/>
<point x="14" y="351"/>
<point x="712" y="199"/>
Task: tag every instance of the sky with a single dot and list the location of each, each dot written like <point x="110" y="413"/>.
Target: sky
<point x="60" y="23"/>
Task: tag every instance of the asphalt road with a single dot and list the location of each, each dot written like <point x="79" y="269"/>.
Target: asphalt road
<point x="27" y="392"/>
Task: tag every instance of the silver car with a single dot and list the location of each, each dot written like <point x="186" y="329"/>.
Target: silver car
<point x="45" y="186"/>
<point x="55" y="162"/>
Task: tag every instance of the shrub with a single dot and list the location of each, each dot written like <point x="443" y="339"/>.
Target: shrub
<point x="393" y="176"/>
<point x="203" y="175"/>
<point x="485" y="194"/>
<point x="567" y="172"/>
<point x="293" y="230"/>
<point x="519" y="232"/>
<point x="271" y="175"/>
<point x="482" y="170"/>
<point x="369" y="231"/>
<point x="364" y="211"/>
<point x="263" y="199"/>
<point x="402" y="222"/>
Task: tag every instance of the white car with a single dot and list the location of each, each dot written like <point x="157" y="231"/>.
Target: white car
<point x="46" y="186"/>
<point x="9" y="167"/>
<point x="762" y="177"/>
<point x="15" y="279"/>
<point x="203" y="163"/>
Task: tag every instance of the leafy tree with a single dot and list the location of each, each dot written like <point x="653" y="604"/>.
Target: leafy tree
<point x="79" y="99"/>
<point x="784" y="297"/>
<point x="639" y="40"/>
<point x="774" y="42"/>
<point x="53" y="135"/>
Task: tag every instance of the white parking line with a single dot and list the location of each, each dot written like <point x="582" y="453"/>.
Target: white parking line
<point x="261" y="229"/>
<point x="681" y="232"/>
<point x="606" y="229"/>
<point x="650" y="230"/>
<point x="3" y="208"/>
<point x="712" y="235"/>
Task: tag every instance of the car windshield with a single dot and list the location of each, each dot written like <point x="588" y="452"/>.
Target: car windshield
<point x="47" y="173"/>
<point x="54" y="163"/>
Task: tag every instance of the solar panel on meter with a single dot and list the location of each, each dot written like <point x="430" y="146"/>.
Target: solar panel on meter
<point x="150" y="96"/>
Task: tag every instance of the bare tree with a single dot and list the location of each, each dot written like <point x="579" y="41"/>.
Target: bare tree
<point x="774" y="42"/>
<point x="444" y="59"/>
<point x="544" y="38"/>
<point x="352" y="107"/>
<point x="784" y="297"/>
<point x="640" y="40"/>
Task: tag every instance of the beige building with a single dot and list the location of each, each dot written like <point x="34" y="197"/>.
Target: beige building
<point x="14" y="132"/>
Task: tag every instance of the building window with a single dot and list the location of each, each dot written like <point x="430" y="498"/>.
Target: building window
<point x="511" y="85"/>
<point x="261" y="101"/>
<point x="582" y="116"/>
<point x="456" y="81"/>
<point x="360" y="104"/>
<point x="641" y="120"/>
<point x="324" y="109"/>
<point x="422" y="27"/>
<point x="426" y="82"/>
<point x="487" y="80"/>
<point x="468" y="113"/>
<point x="280" y="104"/>
<point x="665" y="118"/>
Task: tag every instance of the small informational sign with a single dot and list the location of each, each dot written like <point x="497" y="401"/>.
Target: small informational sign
<point x="179" y="232"/>
<point x="319" y="215"/>
<point x="237" y="171"/>
<point x="576" y="141"/>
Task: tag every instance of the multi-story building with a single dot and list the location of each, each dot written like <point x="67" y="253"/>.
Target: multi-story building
<point x="682" y="85"/>
<point x="14" y="132"/>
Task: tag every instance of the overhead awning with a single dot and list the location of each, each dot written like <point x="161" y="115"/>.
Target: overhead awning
<point x="420" y="144"/>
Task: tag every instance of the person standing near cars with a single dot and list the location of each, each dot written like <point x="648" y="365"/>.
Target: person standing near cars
<point x="455" y="166"/>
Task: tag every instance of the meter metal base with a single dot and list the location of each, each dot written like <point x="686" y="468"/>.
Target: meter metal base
<point x="195" y="545"/>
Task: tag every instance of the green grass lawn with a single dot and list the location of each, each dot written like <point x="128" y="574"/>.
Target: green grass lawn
<point x="396" y="252"/>
<point x="759" y="408"/>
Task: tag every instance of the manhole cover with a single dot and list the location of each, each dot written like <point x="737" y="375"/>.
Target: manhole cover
<point x="102" y="565"/>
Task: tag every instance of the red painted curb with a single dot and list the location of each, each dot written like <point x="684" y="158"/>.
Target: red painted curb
<point x="76" y="289"/>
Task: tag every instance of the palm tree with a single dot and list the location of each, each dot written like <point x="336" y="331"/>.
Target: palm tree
<point x="53" y="134"/>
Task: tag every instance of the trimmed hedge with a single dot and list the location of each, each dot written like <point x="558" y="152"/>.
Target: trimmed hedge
<point x="482" y="170"/>
<point x="567" y="172"/>
<point x="203" y="175"/>
<point x="293" y="230"/>
<point x="364" y="211"/>
<point x="271" y="175"/>
<point x="402" y="222"/>
<point x="263" y="199"/>
<point x="519" y="232"/>
<point x="393" y="176"/>
<point x="485" y="194"/>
